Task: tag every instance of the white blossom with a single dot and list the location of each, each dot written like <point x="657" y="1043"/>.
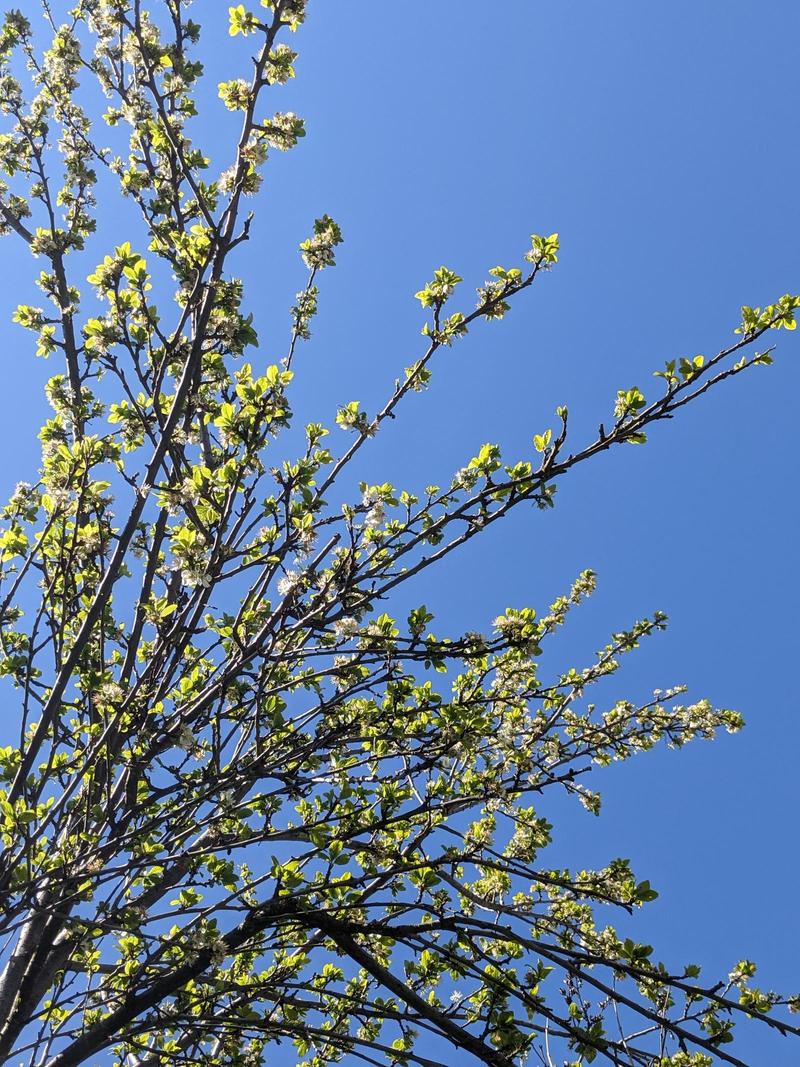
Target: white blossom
<point x="346" y="627"/>
<point x="465" y="478"/>
<point x="508" y="623"/>
<point x="108" y="693"/>
<point x="196" y="577"/>
<point x="186" y="739"/>
<point x="288" y="583"/>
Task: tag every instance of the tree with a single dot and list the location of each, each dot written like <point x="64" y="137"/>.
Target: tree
<point x="247" y="805"/>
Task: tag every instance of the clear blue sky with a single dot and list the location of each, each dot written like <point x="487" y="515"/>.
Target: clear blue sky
<point x="661" y="141"/>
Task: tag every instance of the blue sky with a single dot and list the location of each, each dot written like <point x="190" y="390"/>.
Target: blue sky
<point x="660" y="140"/>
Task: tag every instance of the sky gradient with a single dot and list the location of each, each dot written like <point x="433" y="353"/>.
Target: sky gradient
<point x="661" y="142"/>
